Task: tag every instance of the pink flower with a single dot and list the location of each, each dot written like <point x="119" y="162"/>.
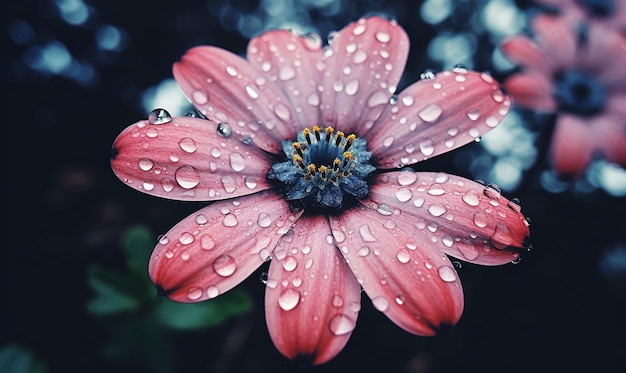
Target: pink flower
<point x="577" y="73"/>
<point x="327" y="205"/>
<point x="610" y="13"/>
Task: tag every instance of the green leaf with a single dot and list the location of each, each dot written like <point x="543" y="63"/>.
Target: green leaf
<point x="114" y="292"/>
<point x="138" y="243"/>
<point x="203" y="314"/>
<point x="17" y="359"/>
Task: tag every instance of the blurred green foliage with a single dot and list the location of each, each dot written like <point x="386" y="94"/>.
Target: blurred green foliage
<point x="139" y="323"/>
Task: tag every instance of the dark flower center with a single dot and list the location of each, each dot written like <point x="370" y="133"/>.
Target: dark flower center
<point x="579" y="93"/>
<point x="323" y="165"/>
<point x="598" y="8"/>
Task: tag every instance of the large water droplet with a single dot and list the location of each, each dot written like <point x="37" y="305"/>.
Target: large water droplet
<point x="207" y="242"/>
<point x="471" y="198"/>
<point x="159" y="116"/>
<point x="480" y="220"/>
<point x="403" y="256"/>
<point x="341" y="324"/>
<point x="187" y="177"/>
<point x="264" y="220"/>
<point x="447" y="273"/>
<point x="237" y="161"/>
<point x="188" y="145"/>
<point x="290" y="263"/>
<point x="380" y="303"/>
<point x="146" y="164"/>
<point x="404" y="194"/>
<point x="430" y="113"/>
<point x="289" y="299"/>
<point x="436" y="210"/>
<point x="194" y="293"/>
<point x="186" y="238"/>
<point x="223" y="129"/>
<point x="230" y="220"/>
<point x="224" y="265"/>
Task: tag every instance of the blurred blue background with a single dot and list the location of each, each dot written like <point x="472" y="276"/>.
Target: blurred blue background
<point x="74" y="286"/>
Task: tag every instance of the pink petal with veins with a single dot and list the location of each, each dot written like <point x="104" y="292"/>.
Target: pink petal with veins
<point x="411" y="281"/>
<point x="532" y="90"/>
<point x="312" y="299"/>
<point x="362" y="73"/>
<point x="226" y="88"/>
<point x="571" y="149"/>
<point x="216" y="248"/>
<point x="523" y="51"/>
<point x="295" y="63"/>
<point x="434" y="116"/>
<point x="556" y="40"/>
<point x="460" y="217"/>
<point x="186" y="159"/>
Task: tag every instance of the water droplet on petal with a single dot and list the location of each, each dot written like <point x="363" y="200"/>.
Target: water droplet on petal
<point x="230" y="220"/>
<point x="436" y="190"/>
<point x="188" y="145"/>
<point x="492" y="191"/>
<point x="404" y="194"/>
<point x="146" y="164"/>
<point x="212" y="292"/>
<point x="186" y="238"/>
<point x="159" y="116"/>
<point x="223" y="129"/>
<point x="237" y="161"/>
<point x="406" y="178"/>
<point x="224" y="265"/>
<point x="447" y="273"/>
<point x="264" y="220"/>
<point x="337" y="301"/>
<point x="403" y="256"/>
<point x="384" y="209"/>
<point x="289" y="299"/>
<point x="471" y="198"/>
<point x="436" y="210"/>
<point x="501" y="237"/>
<point x="207" y="242"/>
<point x="480" y="220"/>
<point x="473" y="114"/>
<point x="383" y="37"/>
<point x="290" y="263"/>
<point x="194" y="293"/>
<point x="187" y="177"/>
<point x="380" y="303"/>
<point x="341" y="324"/>
<point x="430" y="113"/>
<point x="252" y="92"/>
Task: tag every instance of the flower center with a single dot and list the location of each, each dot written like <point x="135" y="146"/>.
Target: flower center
<point x="599" y="8"/>
<point x="580" y="93"/>
<point x="323" y="165"/>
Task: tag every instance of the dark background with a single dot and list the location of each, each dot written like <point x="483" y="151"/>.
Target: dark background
<point x="561" y="309"/>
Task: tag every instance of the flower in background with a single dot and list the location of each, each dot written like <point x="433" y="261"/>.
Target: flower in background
<point x="577" y="72"/>
<point x="301" y="156"/>
<point x="610" y="13"/>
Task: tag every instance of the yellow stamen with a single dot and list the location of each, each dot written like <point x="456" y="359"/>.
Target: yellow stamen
<point x="329" y="133"/>
<point x="339" y="138"/>
<point x="316" y="131"/>
<point x="336" y="164"/>
<point x="297" y="147"/>
<point x="298" y="160"/>
<point x="307" y="136"/>
<point x="349" y="140"/>
<point x="347" y="156"/>
<point x="322" y="171"/>
<point x="311" y="169"/>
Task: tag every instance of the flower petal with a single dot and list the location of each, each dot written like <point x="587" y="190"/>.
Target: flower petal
<point x="525" y="52"/>
<point x="295" y="64"/>
<point x="411" y="281"/>
<point x="434" y="116"/>
<point x="367" y="61"/>
<point x="226" y="88"/>
<point x="555" y="38"/>
<point x="216" y="248"/>
<point x="532" y="91"/>
<point x="572" y="145"/>
<point x="186" y="159"/>
<point x="462" y="218"/>
<point x="312" y="298"/>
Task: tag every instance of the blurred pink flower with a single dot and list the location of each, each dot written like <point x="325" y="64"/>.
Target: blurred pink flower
<point x="577" y="72"/>
<point x="610" y="13"/>
<point x="301" y="156"/>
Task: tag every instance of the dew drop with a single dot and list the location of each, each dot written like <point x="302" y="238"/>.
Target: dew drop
<point x="406" y="178"/>
<point x="473" y="114"/>
<point x="480" y="220"/>
<point x="366" y="235"/>
<point x="471" y="198"/>
<point x="207" y="242"/>
<point x="230" y="220"/>
<point x="223" y="129"/>
<point x="404" y="194"/>
<point x="264" y="220"/>
<point x="492" y="191"/>
<point x="436" y="190"/>
<point x="430" y="113"/>
<point x="200" y="97"/>
<point x="403" y="256"/>
<point x="201" y="219"/>
<point x="501" y="237"/>
<point x="380" y="303"/>
<point x="289" y="299"/>
<point x="341" y="324"/>
<point x="194" y="293"/>
<point x="159" y="116"/>
<point x="146" y="164"/>
<point x="436" y="210"/>
<point x="224" y="265"/>
<point x="252" y="92"/>
<point x="186" y="238"/>
<point x="187" y="177"/>
<point x="363" y="251"/>
<point x="290" y="263"/>
<point x="427" y="147"/>
<point x="212" y="292"/>
<point x="237" y="161"/>
<point x="447" y="273"/>
<point x="337" y="301"/>
<point x="384" y="209"/>
<point x="188" y="145"/>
